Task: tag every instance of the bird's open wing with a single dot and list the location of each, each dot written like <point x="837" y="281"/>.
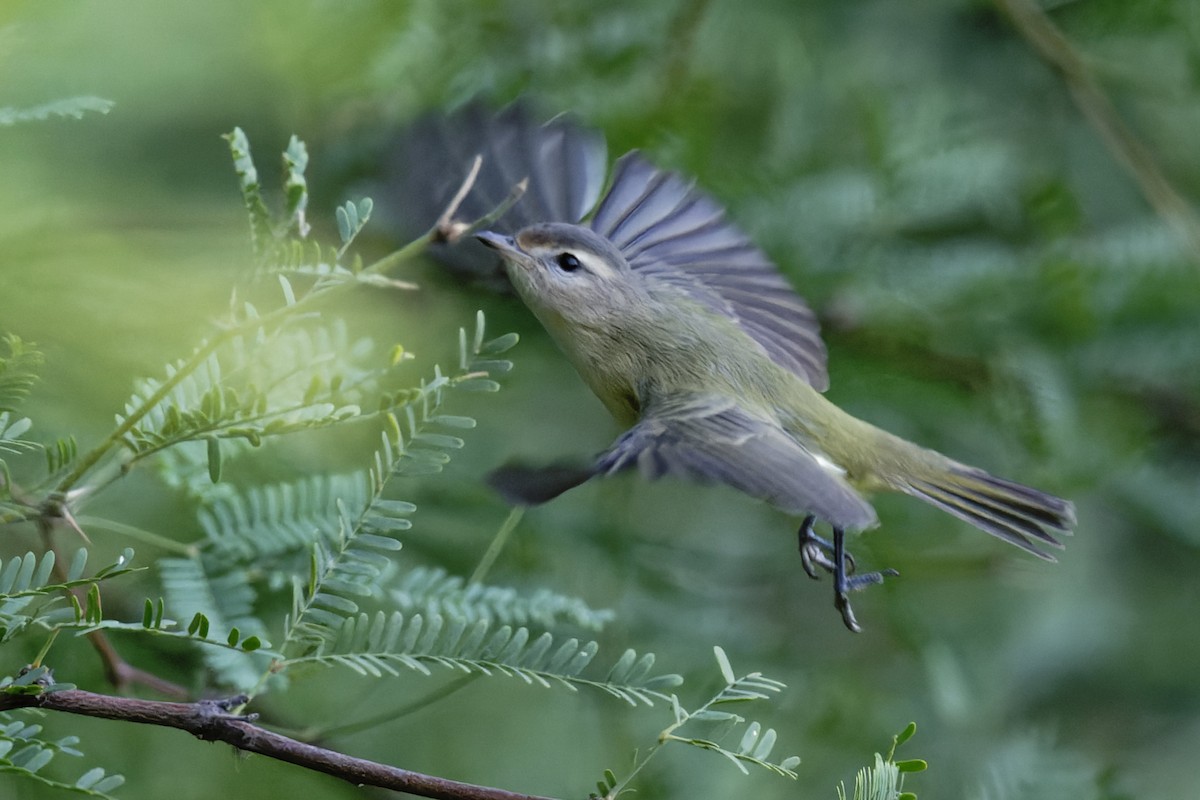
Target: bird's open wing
<point x="565" y="163"/>
<point x="666" y="228"/>
<point x="662" y="225"/>
<point x="711" y="438"/>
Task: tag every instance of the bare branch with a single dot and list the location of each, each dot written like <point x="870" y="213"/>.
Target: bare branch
<point x="210" y="720"/>
<point x="447" y="229"/>
<point x="119" y="672"/>
<point x="445" y="224"/>
<point x="1039" y="30"/>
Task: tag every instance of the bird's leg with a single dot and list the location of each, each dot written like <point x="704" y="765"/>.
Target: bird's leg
<point x="815" y="551"/>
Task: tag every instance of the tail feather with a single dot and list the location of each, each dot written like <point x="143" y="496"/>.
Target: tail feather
<point x="1018" y="514"/>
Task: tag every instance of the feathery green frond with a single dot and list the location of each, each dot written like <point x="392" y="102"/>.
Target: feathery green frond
<point x="351" y="219"/>
<point x="878" y="782"/>
<point x="354" y="561"/>
<point x="261" y="233"/>
<point x="1033" y="766"/>
<point x="19" y="365"/>
<point x="268" y="521"/>
<point x="199" y="630"/>
<point x="217" y="606"/>
<point x="295" y="186"/>
<point x="73" y="107"/>
<point x="753" y="747"/>
<point x="281" y="383"/>
<point x="432" y="589"/>
<point x="884" y="780"/>
<point x="380" y="644"/>
<point x="25" y="752"/>
<point x="30" y="593"/>
<point x="61" y="454"/>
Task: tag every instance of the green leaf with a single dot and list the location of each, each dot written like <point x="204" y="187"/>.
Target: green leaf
<point x="90" y="778"/>
<point x="214" y="459"/>
<point x="289" y="295"/>
<point x="347" y="219"/>
<point x="724" y="665"/>
<point x="499" y="345"/>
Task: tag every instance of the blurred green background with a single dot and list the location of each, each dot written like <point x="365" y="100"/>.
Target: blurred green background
<point x="991" y="281"/>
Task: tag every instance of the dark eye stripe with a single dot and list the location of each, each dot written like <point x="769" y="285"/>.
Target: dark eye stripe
<point x="567" y="262"/>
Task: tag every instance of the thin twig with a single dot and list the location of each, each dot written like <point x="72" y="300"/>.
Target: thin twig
<point x="211" y="721"/>
<point x="1049" y="42"/>
<point x="498" y="542"/>
<point x="119" y="672"/>
<point x="445" y="222"/>
<point x="390" y="714"/>
<point x="448" y="230"/>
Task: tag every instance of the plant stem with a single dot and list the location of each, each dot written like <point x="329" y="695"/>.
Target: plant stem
<point x="498" y="542"/>
<point x="1044" y="37"/>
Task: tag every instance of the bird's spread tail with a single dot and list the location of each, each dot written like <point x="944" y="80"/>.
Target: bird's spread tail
<point x="1017" y="514"/>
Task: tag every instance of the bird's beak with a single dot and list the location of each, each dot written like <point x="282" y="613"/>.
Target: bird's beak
<point x="505" y="245"/>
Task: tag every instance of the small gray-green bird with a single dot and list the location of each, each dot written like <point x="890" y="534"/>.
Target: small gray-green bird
<point x="696" y="344"/>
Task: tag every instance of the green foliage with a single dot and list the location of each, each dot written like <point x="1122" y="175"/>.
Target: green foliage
<point x="217" y="605"/>
<point x="329" y="540"/>
<point x="433" y="590"/>
<point x="753" y="747"/>
<point x="884" y="780"/>
<point x="351" y="219"/>
<point x="259" y="385"/>
<point x="19" y="364"/>
<point x="1033" y="766"/>
<point x="990" y="279"/>
<point x="24" y="752"/>
<point x="31" y="593"/>
<point x="73" y="107"/>
<point x="378" y="645"/>
<point x="10" y="433"/>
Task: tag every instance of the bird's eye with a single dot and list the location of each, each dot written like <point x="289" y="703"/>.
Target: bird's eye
<point x="567" y="262"/>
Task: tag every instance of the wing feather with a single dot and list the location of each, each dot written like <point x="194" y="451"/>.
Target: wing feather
<point x="667" y="229"/>
<point x="565" y="163"/>
<point x="661" y="224"/>
<point x="712" y="439"/>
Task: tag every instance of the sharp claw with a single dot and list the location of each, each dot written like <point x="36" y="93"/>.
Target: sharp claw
<point x="810" y="549"/>
<point x="815" y="552"/>
<point x="842" y="604"/>
<point x="807" y="561"/>
<point x="833" y="558"/>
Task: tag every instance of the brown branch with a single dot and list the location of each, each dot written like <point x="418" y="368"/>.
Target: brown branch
<point x="210" y="720"/>
<point x="1054" y="48"/>
<point x="119" y="672"/>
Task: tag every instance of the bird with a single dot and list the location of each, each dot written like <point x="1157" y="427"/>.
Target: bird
<point x="695" y="343"/>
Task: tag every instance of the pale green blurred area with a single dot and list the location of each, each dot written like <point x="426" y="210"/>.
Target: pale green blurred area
<point x="992" y="285"/>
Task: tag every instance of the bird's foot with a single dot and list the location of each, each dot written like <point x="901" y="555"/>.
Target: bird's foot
<point x="817" y="552"/>
<point x="833" y="558"/>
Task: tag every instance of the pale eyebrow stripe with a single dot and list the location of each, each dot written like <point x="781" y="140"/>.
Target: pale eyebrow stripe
<point x="594" y="263"/>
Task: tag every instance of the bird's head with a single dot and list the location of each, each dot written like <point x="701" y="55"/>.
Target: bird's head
<point x="568" y="270"/>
